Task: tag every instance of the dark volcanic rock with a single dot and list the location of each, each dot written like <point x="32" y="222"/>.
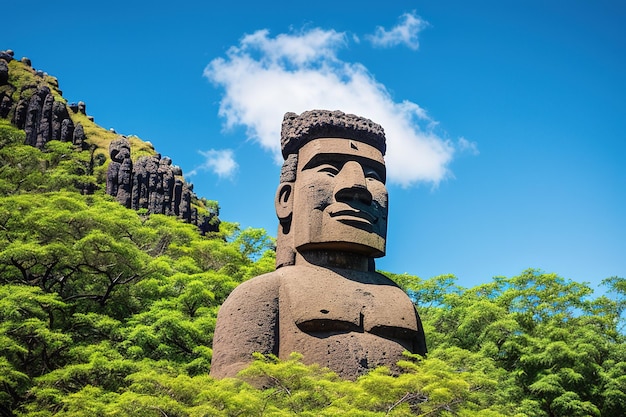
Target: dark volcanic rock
<point x="154" y="184"/>
<point x="59" y="114"/>
<point x="5" y="105"/>
<point x="125" y="182"/>
<point x="140" y="184"/>
<point x="78" y="138"/>
<point x="151" y="193"/>
<point x="166" y="175"/>
<point x="119" y="149"/>
<point x="113" y="172"/>
<point x="33" y="115"/>
<point x="4" y="72"/>
<point x="45" y="122"/>
<point x="184" y="209"/>
<point x="19" y="117"/>
<point x="67" y="130"/>
<point x="207" y="224"/>
<point x="6" y="56"/>
<point x="177" y="196"/>
<point x="119" y="174"/>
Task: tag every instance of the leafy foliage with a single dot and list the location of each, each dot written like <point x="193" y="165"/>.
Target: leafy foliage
<point x="106" y="311"/>
<point x="561" y="352"/>
<point x="90" y="291"/>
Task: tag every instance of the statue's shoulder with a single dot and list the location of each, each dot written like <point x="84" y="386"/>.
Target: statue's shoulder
<point x="270" y="278"/>
<point x="260" y="288"/>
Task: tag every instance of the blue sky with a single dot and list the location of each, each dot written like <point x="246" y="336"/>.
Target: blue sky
<point x="505" y="120"/>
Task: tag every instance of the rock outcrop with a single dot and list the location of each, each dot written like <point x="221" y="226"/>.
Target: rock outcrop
<point x="151" y="182"/>
<point x="34" y="109"/>
<point x="4" y="72"/>
<point x="43" y="119"/>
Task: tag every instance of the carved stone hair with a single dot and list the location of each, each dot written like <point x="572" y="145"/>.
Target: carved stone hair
<point x="298" y="130"/>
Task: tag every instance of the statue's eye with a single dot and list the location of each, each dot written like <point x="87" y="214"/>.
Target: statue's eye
<point x="371" y="173"/>
<point x="329" y="169"/>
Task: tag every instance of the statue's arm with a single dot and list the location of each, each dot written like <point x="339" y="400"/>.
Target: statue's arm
<point x="246" y="323"/>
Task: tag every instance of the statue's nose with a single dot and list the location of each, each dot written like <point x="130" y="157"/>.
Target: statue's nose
<point x="351" y="184"/>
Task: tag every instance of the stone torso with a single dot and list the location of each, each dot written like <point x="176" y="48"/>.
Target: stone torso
<point x="346" y="320"/>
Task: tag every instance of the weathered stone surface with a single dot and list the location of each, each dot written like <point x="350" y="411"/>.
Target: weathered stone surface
<point x="177" y="196"/>
<point x="45" y="122"/>
<point x="166" y="176"/>
<point x="119" y="173"/>
<point x="21" y="110"/>
<point x="33" y="115"/>
<point x="154" y="184"/>
<point x="6" y="56"/>
<point x="184" y="207"/>
<point x="125" y="182"/>
<point x="78" y="138"/>
<point x="67" y="130"/>
<point x="4" y="72"/>
<point x="59" y="114"/>
<point x="6" y="103"/>
<point x="206" y="225"/>
<point x="140" y="185"/>
<point x="119" y="149"/>
<point x="325" y="300"/>
<point x="155" y="188"/>
<point x="299" y="129"/>
<point x="113" y="171"/>
<point x="26" y="61"/>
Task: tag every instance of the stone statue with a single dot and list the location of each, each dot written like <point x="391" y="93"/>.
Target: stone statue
<point x="325" y="299"/>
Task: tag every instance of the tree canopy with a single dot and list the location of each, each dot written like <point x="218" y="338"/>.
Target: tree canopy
<point x="106" y="311"/>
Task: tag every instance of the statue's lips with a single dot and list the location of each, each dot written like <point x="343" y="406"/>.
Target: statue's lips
<point x="342" y="211"/>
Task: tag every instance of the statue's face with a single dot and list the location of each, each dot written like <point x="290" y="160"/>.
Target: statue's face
<point x="340" y="198"/>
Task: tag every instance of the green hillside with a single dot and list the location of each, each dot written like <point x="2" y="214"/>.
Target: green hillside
<point x="109" y="311"/>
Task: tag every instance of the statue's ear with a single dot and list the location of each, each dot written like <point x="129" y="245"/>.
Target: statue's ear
<point x="284" y="201"/>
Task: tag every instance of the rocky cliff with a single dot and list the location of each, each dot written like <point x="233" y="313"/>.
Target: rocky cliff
<point x="32" y="100"/>
<point x="31" y="106"/>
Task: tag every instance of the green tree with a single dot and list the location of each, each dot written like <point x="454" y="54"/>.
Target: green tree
<point x="32" y="344"/>
<point x="558" y="347"/>
<point x="59" y="166"/>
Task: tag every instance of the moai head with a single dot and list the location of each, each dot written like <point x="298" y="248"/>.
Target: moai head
<point x="332" y="194"/>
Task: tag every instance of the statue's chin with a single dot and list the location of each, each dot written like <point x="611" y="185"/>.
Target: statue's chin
<point x="347" y="248"/>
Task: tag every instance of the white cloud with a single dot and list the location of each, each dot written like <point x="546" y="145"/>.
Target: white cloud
<point x="404" y="33"/>
<point x="265" y="77"/>
<point x="220" y="162"/>
<point x="465" y="146"/>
